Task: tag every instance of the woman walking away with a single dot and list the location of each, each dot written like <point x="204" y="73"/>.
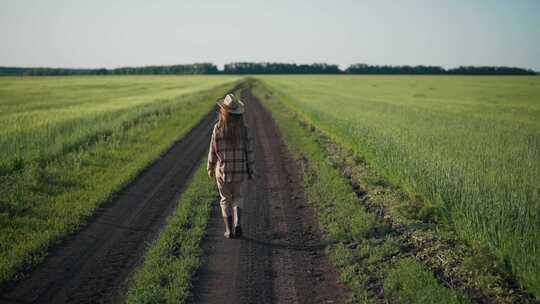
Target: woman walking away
<point x="230" y="160"/>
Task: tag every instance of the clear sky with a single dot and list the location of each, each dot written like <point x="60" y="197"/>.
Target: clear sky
<point x="109" y="33"/>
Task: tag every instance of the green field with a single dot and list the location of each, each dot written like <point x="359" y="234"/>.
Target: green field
<point x="68" y="143"/>
<point x="361" y="246"/>
<point x="44" y="116"/>
<point x="470" y="146"/>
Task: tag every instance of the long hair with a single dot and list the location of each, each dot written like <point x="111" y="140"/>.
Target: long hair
<point x="230" y="127"/>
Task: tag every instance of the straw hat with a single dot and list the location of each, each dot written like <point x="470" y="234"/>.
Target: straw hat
<point x="231" y="104"/>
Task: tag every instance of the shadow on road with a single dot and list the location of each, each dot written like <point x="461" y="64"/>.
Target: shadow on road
<point x="296" y="247"/>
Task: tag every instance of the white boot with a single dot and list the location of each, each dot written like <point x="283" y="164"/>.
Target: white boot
<point x="228" y="226"/>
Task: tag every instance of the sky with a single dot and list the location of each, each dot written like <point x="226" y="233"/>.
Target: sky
<point x="116" y="33"/>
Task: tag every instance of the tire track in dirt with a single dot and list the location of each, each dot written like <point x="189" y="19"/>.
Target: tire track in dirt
<point x="280" y="258"/>
<point x="93" y="265"/>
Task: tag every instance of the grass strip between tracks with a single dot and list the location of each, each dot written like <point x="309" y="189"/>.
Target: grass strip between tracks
<point x="169" y="264"/>
<point x="364" y="259"/>
<point x="54" y="197"/>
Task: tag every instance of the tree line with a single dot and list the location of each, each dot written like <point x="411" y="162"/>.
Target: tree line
<point x="436" y="70"/>
<point x="280" y="68"/>
<point x="179" y="69"/>
<point x="271" y="68"/>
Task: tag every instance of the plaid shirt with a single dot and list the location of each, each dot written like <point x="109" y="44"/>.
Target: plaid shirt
<point x="233" y="163"/>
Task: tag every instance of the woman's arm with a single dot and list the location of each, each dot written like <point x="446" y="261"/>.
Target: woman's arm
<point x="212" y="156"/>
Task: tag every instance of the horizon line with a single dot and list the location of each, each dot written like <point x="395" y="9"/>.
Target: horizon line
<point x="263" y="62"/>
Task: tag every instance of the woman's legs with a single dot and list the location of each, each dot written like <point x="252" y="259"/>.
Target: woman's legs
<point x="238" y="203"/>
<point x="232" y="197"/>
<point x="226" y="194"/>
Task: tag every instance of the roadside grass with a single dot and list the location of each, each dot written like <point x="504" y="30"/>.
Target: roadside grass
<point x="467" y="146"/>
<point x="408" y="283"/>
<point x="170" y="262"/>
<point x="470" y="269"/>
<point x="364" y="248"/>
<point x="50" y="197"/>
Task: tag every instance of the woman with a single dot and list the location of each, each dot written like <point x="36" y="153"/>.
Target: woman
<point x="230" y="160"/>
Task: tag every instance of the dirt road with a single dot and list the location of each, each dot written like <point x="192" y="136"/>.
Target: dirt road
<point x="93" y="265"/>
<point x="280" y="259"/>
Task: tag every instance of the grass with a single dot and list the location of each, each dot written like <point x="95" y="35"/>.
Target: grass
<point x="408" y="283"/>
<point x="47" y="116"/>
<point x="94" y="146"/>
<point x="171" y="261"/>
<point x="469" y="146"/>
<point x="466" y="147"/>
<point x="363" y="248"/>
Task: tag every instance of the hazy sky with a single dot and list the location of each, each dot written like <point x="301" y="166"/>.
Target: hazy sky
<point x="100" y="33"/>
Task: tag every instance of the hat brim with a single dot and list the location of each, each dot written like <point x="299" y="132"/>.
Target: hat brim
<point x="239" y="110"/>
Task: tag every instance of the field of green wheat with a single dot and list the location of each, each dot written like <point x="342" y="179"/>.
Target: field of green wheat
<point x="68" y="143"/>
<point x="468" y="145"/>
<point x="42" y="117"/>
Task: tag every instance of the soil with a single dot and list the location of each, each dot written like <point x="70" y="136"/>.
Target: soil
<point x="280" y="258"/>
<point x="93" y="265"/>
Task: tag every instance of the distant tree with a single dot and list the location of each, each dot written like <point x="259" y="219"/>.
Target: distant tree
<point x="196" y="68"/>
<point x="280" y="68"/>
<point x="362" y="68"/>
<point x="489" y="70"/>
<point x="13" y="71"/>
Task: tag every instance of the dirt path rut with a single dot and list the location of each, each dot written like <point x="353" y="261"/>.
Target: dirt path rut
<point x="280" y="259"/>
<point x="93" y="265"/>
